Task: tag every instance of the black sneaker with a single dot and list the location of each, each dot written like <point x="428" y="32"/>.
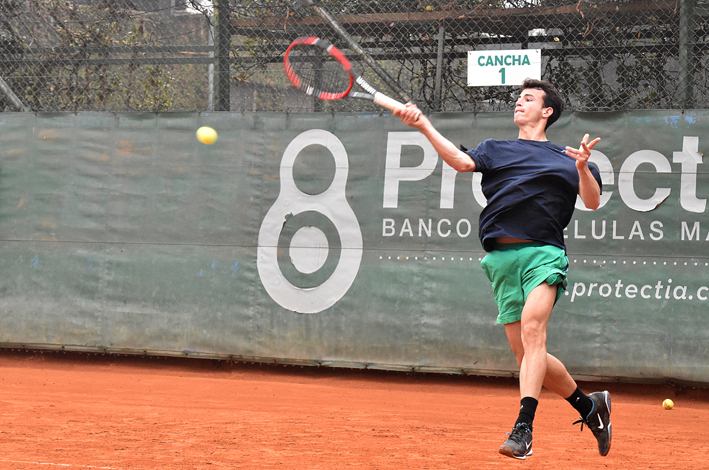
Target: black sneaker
<point x="519" y="442"/>
<point x="599" y="420"/>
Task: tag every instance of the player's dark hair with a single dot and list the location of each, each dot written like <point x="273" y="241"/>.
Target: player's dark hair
<point x="552" y="98"/>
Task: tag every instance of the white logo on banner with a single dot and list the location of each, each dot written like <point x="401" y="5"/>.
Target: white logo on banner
<point x="309" y="246"/>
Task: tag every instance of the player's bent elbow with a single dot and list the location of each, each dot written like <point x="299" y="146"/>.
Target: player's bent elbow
<point x="463" y="167"/>
<point x="463" y="163"/>
<point x="592" y="205"/>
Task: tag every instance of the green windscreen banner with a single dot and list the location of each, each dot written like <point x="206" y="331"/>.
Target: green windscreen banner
<point x="340" y="240"/>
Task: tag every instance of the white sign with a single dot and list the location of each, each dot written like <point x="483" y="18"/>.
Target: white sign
<point x="503" y="68"/>
<point x="310" y="242"/>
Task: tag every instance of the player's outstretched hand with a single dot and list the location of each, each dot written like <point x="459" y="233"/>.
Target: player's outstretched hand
<point x="583" y="153"/>
<point x="410" y="115"/>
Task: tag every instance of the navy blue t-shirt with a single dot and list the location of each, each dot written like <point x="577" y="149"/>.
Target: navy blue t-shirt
<point x="531" y="190"/>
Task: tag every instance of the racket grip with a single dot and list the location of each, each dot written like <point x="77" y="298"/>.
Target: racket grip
<point x="389" y="103"/>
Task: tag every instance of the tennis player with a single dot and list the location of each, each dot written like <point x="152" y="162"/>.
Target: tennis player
<point x="531" y="187"/>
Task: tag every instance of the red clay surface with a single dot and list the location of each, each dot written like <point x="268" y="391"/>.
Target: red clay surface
<point x="85" y="411"/>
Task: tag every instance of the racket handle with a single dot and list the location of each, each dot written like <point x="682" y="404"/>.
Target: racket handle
<point x="389" y="103"/>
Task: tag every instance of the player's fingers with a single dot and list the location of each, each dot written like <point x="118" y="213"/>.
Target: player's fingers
<point x="577" y="154"/>
<point x="587" y="147"/>
<point x="413" y="112"/>
<point x="594" y="142"/>
<point x="408" y="109"/>
<point x="409" y="114"/>
<point x="405" y="112"/>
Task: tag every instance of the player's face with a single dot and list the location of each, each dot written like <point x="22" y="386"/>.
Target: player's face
<point x="530" y="109"/>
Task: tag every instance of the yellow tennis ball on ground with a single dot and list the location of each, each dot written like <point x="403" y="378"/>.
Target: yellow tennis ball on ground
<point x="668" y="404"/>
<point x="206" y="135"/>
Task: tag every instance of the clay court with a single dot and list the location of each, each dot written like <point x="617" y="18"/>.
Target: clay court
<point x="86" y="411"/>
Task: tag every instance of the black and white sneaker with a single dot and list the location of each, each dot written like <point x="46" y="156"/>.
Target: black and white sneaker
<point x="519" y="443"/>
<point x="599" y="420"/>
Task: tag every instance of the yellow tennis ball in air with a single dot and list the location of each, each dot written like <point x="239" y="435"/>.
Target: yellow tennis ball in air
<point x="668" y="404"/>
<point x="206" y="135"/>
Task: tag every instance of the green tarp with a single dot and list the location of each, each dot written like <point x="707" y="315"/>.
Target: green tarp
<point x="339" y="240"/>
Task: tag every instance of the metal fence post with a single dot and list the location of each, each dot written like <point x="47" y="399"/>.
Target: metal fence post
<point x="222" y="40"/>
<point x="686" y="52"/>
<point x="7" y="91"/>
<point x="437" y="90"/>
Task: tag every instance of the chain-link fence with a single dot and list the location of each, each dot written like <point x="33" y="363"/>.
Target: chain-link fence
<point x="162" y="55"/>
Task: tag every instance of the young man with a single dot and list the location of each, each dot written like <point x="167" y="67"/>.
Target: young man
<point x="531" y="187"/>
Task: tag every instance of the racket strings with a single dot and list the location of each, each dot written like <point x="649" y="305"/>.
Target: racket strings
<point x="318" y="71"/>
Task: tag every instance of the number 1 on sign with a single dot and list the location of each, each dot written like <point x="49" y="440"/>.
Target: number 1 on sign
<point x="502" y="73"/>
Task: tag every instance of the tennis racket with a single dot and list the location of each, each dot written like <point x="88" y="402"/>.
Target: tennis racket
<point x="320" y="69"/>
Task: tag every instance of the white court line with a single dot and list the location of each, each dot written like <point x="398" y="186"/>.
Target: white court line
<point x="59" y="464"/>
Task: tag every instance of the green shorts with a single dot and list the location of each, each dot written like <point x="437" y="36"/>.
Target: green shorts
<point x="517" y="268"/>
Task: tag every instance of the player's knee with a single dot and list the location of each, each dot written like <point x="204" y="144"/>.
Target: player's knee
<point x="534" y="335"/>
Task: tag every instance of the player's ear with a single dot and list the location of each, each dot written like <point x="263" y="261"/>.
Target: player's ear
<point x="547" y="112"/>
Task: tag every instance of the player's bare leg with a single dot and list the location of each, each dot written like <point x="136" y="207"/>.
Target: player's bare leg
<point x="556" y="378"/>
<point x="533" y="335"/>
<point x="528" y="340"/>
